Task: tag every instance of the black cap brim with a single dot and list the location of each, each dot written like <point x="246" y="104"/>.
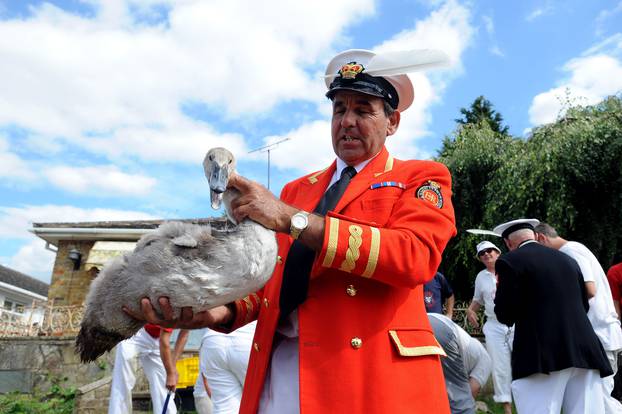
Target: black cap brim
<point x="369" y="85"/>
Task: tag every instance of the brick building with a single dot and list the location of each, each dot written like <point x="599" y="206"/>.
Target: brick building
<point x="82" y="248"/>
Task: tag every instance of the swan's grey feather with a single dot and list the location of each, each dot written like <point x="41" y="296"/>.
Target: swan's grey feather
<point x="193" y="265"/>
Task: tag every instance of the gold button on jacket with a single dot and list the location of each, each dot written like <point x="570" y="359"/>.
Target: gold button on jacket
<point x="356" y="342"/>
<point x="351" y="290"/>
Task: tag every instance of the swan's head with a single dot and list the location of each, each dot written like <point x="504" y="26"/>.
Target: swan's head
<point x="218" y="164"/>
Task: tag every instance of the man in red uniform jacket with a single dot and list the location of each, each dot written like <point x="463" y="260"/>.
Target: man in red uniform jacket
<point x="342" y="326"/>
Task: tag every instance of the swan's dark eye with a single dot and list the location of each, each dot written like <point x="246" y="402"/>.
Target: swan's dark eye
<point x="230" y="161"/>
<point x="211" y="158"/>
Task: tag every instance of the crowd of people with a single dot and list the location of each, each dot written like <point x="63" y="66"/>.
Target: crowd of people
<point x="223" y="360"/>
<point x="552" y="330"/>
<point x="466" y="365"/>
<point x="342" y="324"/>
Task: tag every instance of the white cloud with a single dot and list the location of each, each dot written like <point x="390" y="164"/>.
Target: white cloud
<point x="415" y="120"/>
<point x="12" y="166"/>
<point x="489" y="25"/>
<point x="496" y="50"/>
<point x="534" y="14"/>
<point x="604" y="16"/>
<point x="15" y="221"/>
<point x="181" y="141"/>
<point x="590" y="79"/>
<point x="449" y="29"/>
<point x="34" y="260"/>
<point x="539" y="12"/>
<point x="119" y="79"/>
<point x="309" y="149"/>
<point x="104" y="180"/>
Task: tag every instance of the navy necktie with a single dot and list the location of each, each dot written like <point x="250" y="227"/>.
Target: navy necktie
<point x="300" y="258"/>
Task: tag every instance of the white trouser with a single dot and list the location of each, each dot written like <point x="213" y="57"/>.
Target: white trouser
<point x="147" y="349"/>
<point x="612" y="406"/>
<point x="575" y="390"/>
<point x="202" y="401"/>
<point x="223" y="361"/>
<point x="499" y="340"/>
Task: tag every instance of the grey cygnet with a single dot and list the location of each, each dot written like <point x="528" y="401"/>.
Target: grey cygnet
<point x="193" y="265"/>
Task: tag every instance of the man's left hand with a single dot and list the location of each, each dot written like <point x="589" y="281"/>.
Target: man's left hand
<point x="171" y="380"/>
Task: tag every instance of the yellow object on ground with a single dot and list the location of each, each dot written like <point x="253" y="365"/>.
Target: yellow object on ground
<point x="188" y="369"/>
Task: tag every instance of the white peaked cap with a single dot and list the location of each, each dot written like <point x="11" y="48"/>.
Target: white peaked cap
<point x="381" y="67"/>
<point x="510" y="227"/>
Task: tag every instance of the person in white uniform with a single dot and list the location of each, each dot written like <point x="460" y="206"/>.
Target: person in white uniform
<point x="602" y="313"/>
<point x="151" y="345"/>
<point x="202" y="395"/>
<point x="499" y="337"/>
<point x="223" y="360"/>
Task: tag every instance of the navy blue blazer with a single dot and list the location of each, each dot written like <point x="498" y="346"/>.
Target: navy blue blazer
<point x="541" y="291"/>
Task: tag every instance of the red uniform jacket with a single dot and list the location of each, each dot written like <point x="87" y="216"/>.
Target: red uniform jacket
<point x="365" y="342"/>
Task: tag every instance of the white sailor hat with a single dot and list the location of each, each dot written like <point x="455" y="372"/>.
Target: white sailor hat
<point x="382" y="75"/>
<point x="510" y="227"/>
<point x="481" y="246"/>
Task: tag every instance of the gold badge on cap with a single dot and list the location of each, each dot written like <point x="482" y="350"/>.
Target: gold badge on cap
<point x="431" y="192"/>
<point x="350" y="70"/>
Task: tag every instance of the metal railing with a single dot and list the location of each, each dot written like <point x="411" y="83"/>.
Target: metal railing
<point x="65" y="320"/>
<point x="460" y="317"/>
<point x="57" y="321"/>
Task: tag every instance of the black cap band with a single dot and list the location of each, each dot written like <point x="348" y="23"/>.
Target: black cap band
<point x="367" y="84"/>
<point x="514" y="228"/>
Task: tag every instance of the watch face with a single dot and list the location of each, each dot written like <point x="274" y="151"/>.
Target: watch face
<point x="298" y="221"/>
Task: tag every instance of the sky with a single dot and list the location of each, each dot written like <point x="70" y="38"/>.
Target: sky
<point x="107" y="107"/>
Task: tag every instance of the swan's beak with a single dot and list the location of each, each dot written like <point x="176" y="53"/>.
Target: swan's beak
<point x="218" y="179"/>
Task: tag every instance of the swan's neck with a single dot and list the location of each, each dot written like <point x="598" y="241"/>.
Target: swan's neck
<point x="227" y="197"/>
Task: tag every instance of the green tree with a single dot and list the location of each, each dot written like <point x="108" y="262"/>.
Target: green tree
<point x="481" y="111"/>
<point x="473" y="154"/>
<point x="568" y="173"/>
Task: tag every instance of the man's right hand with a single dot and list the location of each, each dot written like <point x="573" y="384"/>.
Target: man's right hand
<point x="212" y="318"/>
<point x="472" y="318"/>
<point x="259" y="204"/>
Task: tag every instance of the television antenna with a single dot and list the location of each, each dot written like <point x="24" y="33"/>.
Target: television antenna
<point x="268" y="148"/>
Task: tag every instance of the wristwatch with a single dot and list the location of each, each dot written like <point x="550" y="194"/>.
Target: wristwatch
<point x="298" y="223"/>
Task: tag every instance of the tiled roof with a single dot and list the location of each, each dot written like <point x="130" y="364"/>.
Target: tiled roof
<point x="20" y="280"/>
<point x="133" y="224"/>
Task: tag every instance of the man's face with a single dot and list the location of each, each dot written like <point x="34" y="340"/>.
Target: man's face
<point x="359" y="126"/>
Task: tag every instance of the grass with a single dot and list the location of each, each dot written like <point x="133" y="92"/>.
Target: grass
<point x="493" y="407"/>
<point x="59" y="399"/>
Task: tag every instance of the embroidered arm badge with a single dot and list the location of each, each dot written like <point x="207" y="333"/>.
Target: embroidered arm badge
<point x="431" y="192"/>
